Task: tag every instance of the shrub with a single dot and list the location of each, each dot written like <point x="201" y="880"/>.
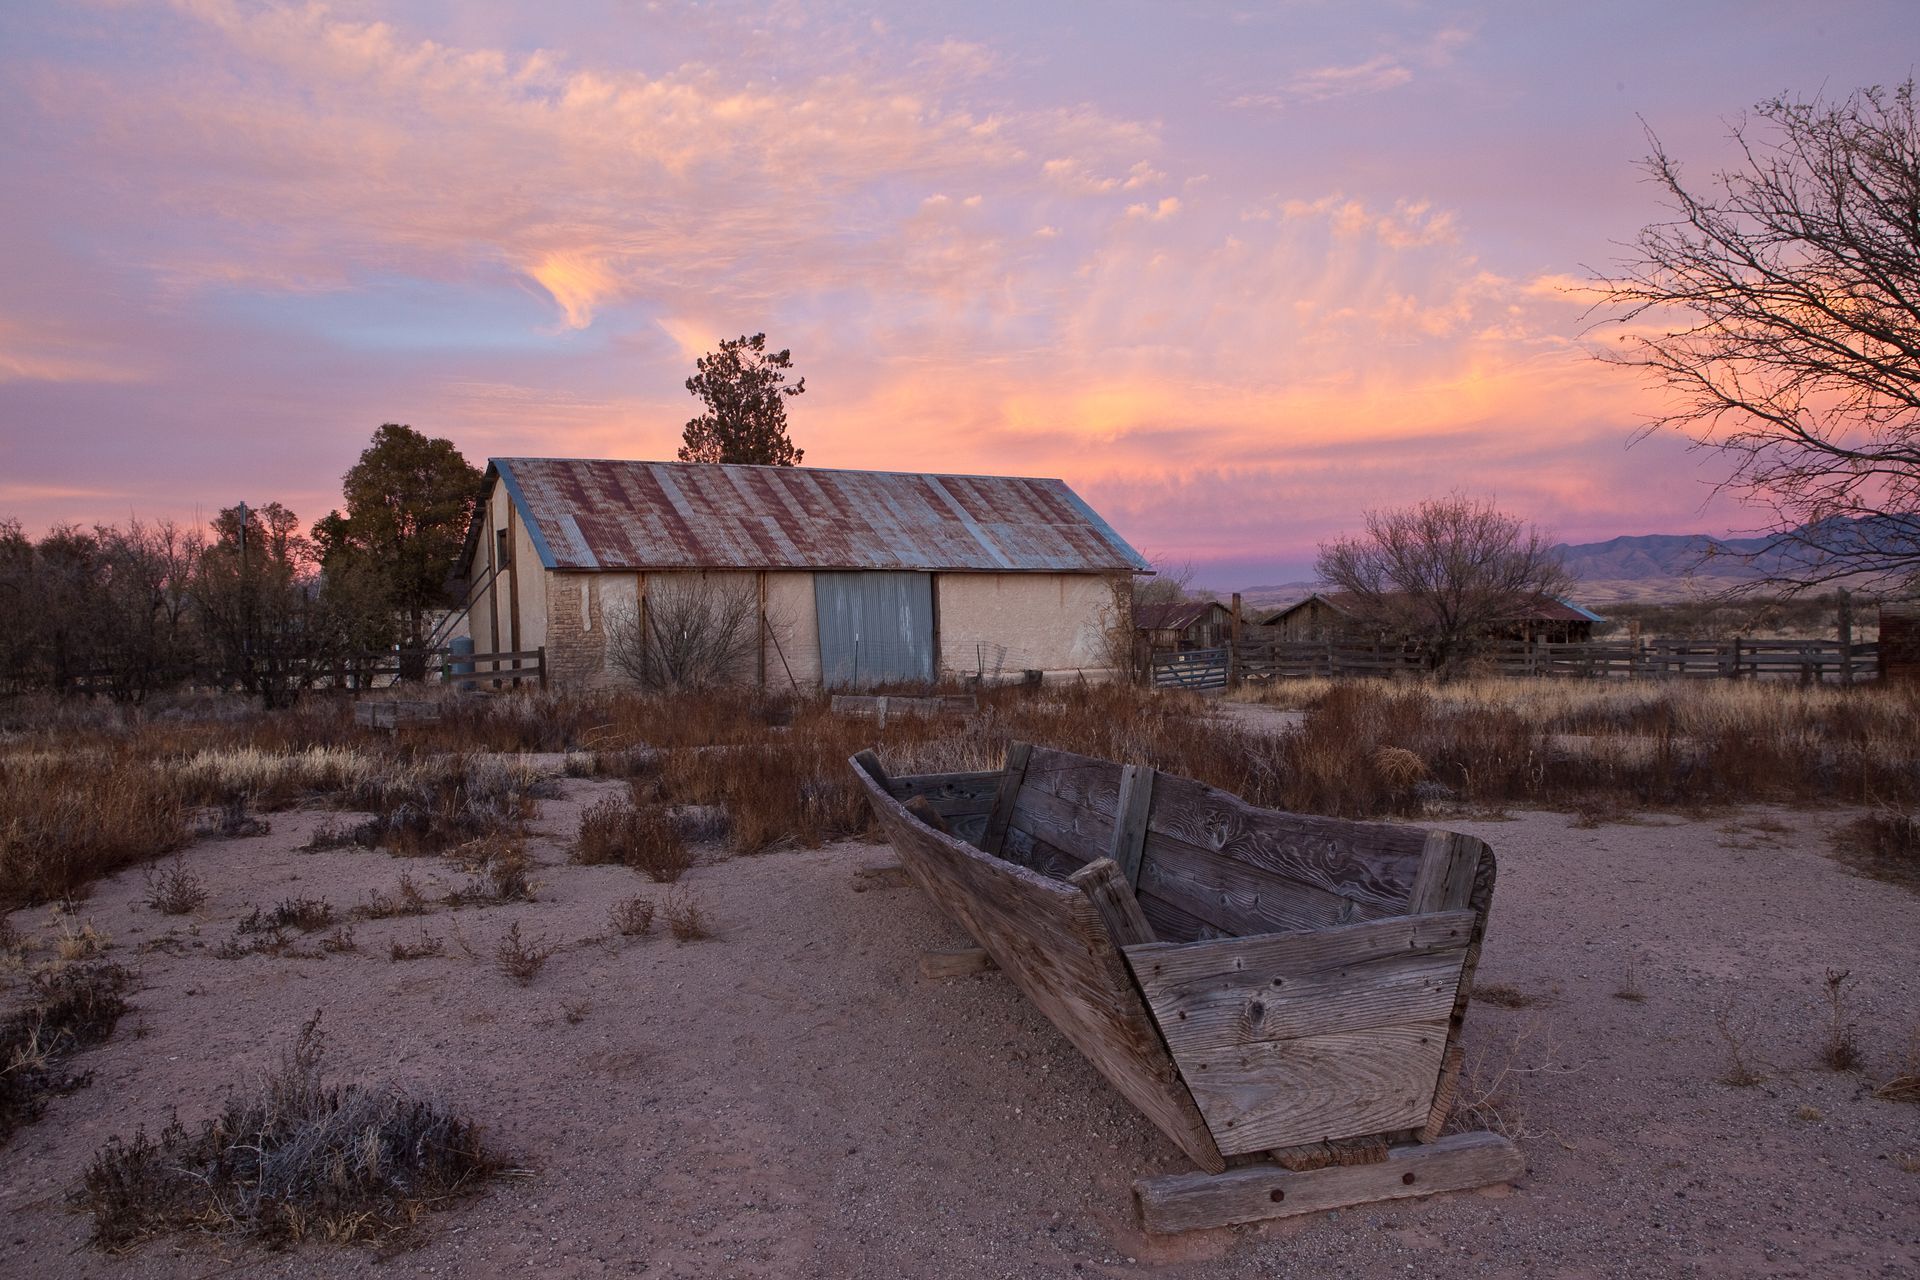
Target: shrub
<point x="69" y="1008"/>
<point x="631" y="917"/>
<point x="1884" y="845"/>
<point x="296" y="1157"/>
<point x="686" y="919"/>
<point x="519" y="958"/>
<point x="174" y="890"/>
<point x="428" y="946"/>
<point x="644" y="839"/>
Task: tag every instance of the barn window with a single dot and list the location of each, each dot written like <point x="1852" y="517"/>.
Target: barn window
<point x="501" y="560"/>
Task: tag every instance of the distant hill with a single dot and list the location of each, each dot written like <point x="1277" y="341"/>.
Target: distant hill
<point x="1650" y="567"/>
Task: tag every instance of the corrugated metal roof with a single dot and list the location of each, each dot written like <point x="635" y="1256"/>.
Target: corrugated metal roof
<point x="608" y="514"/>
<point x="1545" y="609"/>
<point x="1174" y="616"/>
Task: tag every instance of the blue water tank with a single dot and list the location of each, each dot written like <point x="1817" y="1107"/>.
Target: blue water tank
<point x="459" y="648"/>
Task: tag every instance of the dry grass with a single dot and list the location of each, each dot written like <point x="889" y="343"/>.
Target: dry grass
<point x="69" y="1008"/>
<point x="1742" y="1071"/>
<point x="423" y="948"/>
<point x="294" y="1158"/>
<point x="1503" y="996"/>
<point x="1884" y="845"/>
<point x="68" y="818"/>
<point x="641" y="837"/>
<point x="1904" y="1085"/>
<point x="1630" y="989"/>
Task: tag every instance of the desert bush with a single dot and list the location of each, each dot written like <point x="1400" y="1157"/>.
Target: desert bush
<point x="686" y="918"/>
<point x="612" y="831"/>
<point x="521" y="958"/>
<point x="292" y="1158"/>
<point x="429" y="806"/>
<point x="69" y="1007"/>
<point x="425" y="947"/>
<point x="406" y="900"/>
<point x="631" y="917"/>
<point x="232" y="821"/>
<point x="1840" y="1047"/>
<point x="174" y="890"/>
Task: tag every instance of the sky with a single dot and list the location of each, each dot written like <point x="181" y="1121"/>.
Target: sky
<point x="1236" y="272"/>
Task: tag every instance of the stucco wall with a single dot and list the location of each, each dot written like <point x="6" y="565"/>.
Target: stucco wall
<point x="1051" y="622"/>
<point x="580" y="607"/>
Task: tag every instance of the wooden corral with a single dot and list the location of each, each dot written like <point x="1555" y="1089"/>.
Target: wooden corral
<point x="392" y="713"/>
<point x="880" y="706"/>
<point x="1281" y="995"/>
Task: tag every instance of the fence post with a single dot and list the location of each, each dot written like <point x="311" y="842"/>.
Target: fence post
<point x="1233" y="644"/>
<point x="540" y="656"/>
<point x="1845" y="622"/>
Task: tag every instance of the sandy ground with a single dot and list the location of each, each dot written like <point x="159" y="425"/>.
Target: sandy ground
<point x="790" y="1100"/>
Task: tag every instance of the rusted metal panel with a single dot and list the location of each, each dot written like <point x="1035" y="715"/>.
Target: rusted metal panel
<point x="610" y="514"/>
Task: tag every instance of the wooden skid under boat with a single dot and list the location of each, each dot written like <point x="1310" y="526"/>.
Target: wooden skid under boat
<point x="1276" y="992"/>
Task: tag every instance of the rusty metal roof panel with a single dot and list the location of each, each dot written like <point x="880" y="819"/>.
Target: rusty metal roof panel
<point x="610" y="514"/>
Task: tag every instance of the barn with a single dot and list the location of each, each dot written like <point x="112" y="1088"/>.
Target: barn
<point x="1331" y="617"/>
<point x="1183" y="624"/>
<point x="857" y="578"/>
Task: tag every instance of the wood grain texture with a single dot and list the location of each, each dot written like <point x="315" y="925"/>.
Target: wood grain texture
<point x="1130" y="820"/>
<point x="1445" y="879"/>
<point x="923" y="811"/>
<point x="1011" y="780"/>
<point x="1052" y="944"/>
<point x="937" y="965"/>
<point x="1113" y="898"/>
<point x="1234" y="899"/>
<point x="1343" y="1084"/>
<point x="1371" y="863"/>
<point x="1192" y="1201"/>
<point x="1444" y="1096"/>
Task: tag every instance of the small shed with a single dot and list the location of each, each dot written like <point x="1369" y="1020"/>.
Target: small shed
<point x="1183" y="624"/>
<point x="852" y="578"/>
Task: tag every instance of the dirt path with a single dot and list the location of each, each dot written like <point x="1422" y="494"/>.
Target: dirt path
<point x="788" y="1100"/>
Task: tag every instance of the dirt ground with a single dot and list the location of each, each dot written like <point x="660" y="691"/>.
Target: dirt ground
<point x="788" y="1099"/>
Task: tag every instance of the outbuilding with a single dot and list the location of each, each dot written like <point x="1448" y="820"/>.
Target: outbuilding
<point x="855" y="578"/>
<point x="1332" y="617"/>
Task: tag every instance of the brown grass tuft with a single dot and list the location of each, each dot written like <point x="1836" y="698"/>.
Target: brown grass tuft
<point x="519" y="958"/>
<point x="295" y="1158"/>
<point x="613" y="831"/>
<point x="175" y="891"/>
<point x="69" y="1008"/>
<point x="631" y="917"/>
<point x="1840" y="1051"/>
<point x="686" y="919"/>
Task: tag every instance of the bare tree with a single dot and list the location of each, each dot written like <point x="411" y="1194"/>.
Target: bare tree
<point x="1781" y="307"/>
<point x="1448" y="573"/>
<point x="691" y="632"/>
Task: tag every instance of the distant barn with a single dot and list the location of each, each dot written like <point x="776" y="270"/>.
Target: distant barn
<point x="1183" y="624"/>
<point x="1332" y="617"/>
<point x="861" y="577"/>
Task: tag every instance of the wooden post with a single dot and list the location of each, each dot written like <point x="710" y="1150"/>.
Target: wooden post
<point x="1130" y="820"/>
<point x="1233" y="644"/>
<point x="1003" y="800"/>
<point x="1107" y="889"/>
<point x="541" y="655"/>
<point x="1844" y="622"/>
<point x="761" y="649"/>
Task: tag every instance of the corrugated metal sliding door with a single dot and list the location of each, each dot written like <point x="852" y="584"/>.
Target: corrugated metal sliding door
<point x="875" y="628"/>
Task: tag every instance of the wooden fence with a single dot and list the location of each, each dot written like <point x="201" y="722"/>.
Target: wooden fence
<point x="1258" y="660"/>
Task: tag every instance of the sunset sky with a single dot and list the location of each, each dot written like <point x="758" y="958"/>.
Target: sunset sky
<point x="1236" y="272"/>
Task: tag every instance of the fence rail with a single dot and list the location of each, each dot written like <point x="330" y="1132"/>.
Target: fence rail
<point x="1259" y="660"/>
<point x="356" y="673"/>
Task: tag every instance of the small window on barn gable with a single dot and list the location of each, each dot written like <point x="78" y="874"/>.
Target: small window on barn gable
<point x="502" y="559"/>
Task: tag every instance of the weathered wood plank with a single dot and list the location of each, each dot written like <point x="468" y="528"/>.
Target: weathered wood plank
<point x="1082" y="834"/>
<point x="1344" y="1084"/>
<point x="1218" y="1009"/>
<point x="1445" y="879"/>
<point x="1236" y="899"/>
<point x="939" y="965"/>
<point x="1113" y="898"/>
<point x="1255" y="960"/>
<point x="1192" y="1201"/>
<point x="1130" y="820"/>
<point x="1444" y="1095"/>
<point x="1372" y="863"/>
<point x="1052" y="944"/>
<point x="922" y="808"/>
<point x="953" y="794"/>
<point x="1010" y="780"/>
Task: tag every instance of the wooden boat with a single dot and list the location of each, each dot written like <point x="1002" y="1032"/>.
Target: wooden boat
<point x="1281" y="995"/>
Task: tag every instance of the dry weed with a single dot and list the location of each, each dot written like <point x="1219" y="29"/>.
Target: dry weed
<point x="1840" y="1051"/>
<point x="519" y="958"/>
<point x="427" y="946"/>
<point x="69" y="1008"/>
<point x="1630" y="988"/>
<point x="685" y="917"/>
<point x="296" y="1157"/>
<point x="1740" y="1072"/>
<point x="175" y="891"/>
<point x="631" y="917"/>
